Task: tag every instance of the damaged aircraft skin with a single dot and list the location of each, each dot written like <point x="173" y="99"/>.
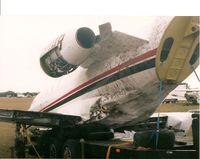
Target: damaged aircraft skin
<point x="117" y="79"/>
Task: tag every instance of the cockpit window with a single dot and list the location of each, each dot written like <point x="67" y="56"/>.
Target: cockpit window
<point x="195" y="55"/>
<point x="166" y="49"/>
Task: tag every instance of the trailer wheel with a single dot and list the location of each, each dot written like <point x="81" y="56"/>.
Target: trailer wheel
<point x="53" y="149"/>
<point x="67" y="152"/>
<point x="71" y="149"/>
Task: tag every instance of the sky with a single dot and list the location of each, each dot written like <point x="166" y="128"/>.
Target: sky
<point x="25" y="32"/>
<point x="23" y="38"/>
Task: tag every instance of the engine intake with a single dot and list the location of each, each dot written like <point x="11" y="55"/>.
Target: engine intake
<point x="85" y="37"/>
<point x="67" y="52"/>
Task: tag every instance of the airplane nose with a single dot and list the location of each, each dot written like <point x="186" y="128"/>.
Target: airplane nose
<point x="178" y="52"/>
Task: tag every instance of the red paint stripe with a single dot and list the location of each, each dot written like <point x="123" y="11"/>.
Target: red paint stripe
<point x="106" y="73"/>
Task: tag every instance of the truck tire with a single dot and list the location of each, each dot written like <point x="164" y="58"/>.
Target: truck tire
<point x="54" y="149"/>
<point x="147" y="139"/>
<point x="71" y="149"/>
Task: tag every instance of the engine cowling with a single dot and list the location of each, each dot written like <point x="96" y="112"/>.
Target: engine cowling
<point x="67" y="52"/>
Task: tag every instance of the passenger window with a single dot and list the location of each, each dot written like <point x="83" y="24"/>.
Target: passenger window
<point x="166" y="49"/>
<point x="195" y="55"/>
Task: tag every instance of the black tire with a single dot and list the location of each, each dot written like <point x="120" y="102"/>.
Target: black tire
<point x="166" y="139"/>
<point x="71" y="149"/>
<point x="54" y="149"/>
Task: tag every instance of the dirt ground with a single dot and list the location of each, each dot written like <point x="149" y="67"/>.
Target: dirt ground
<point x="7" y="130"/>
<point x="176" y="107"/>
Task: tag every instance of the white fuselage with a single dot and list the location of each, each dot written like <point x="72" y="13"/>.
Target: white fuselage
<point x="121" y="87"/>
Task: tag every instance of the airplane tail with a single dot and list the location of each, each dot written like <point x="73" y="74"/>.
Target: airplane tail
<point x="178" y="51"/>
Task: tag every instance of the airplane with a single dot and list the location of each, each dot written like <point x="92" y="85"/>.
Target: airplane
<point x="191" y="95"/>
<point x="183" y="93"/>
<point x="117" y="79"/>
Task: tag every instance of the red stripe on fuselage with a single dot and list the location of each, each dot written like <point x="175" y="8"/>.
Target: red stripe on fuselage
<point x="137" y="59"/>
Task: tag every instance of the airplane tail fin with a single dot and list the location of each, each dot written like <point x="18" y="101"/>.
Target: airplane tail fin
<point x="178" y="51"/>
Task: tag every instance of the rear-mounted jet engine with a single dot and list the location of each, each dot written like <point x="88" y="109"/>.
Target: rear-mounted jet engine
<point x="67" y="52"/>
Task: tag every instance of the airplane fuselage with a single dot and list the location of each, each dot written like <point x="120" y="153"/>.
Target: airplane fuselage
<point x="116" y="90"/>
<point x="118" y="85"/>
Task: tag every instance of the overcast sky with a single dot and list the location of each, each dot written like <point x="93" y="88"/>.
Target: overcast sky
<point x="23" y="38"/>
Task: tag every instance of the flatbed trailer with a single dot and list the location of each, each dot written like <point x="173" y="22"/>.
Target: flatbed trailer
<point x="55" y="136"/>
<point x="122" y="149"/>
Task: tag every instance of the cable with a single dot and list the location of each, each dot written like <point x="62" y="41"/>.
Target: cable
<point x="158" y="119"/>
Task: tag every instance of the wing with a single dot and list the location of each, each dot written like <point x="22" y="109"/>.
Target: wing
<point x="112" y="43"/>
